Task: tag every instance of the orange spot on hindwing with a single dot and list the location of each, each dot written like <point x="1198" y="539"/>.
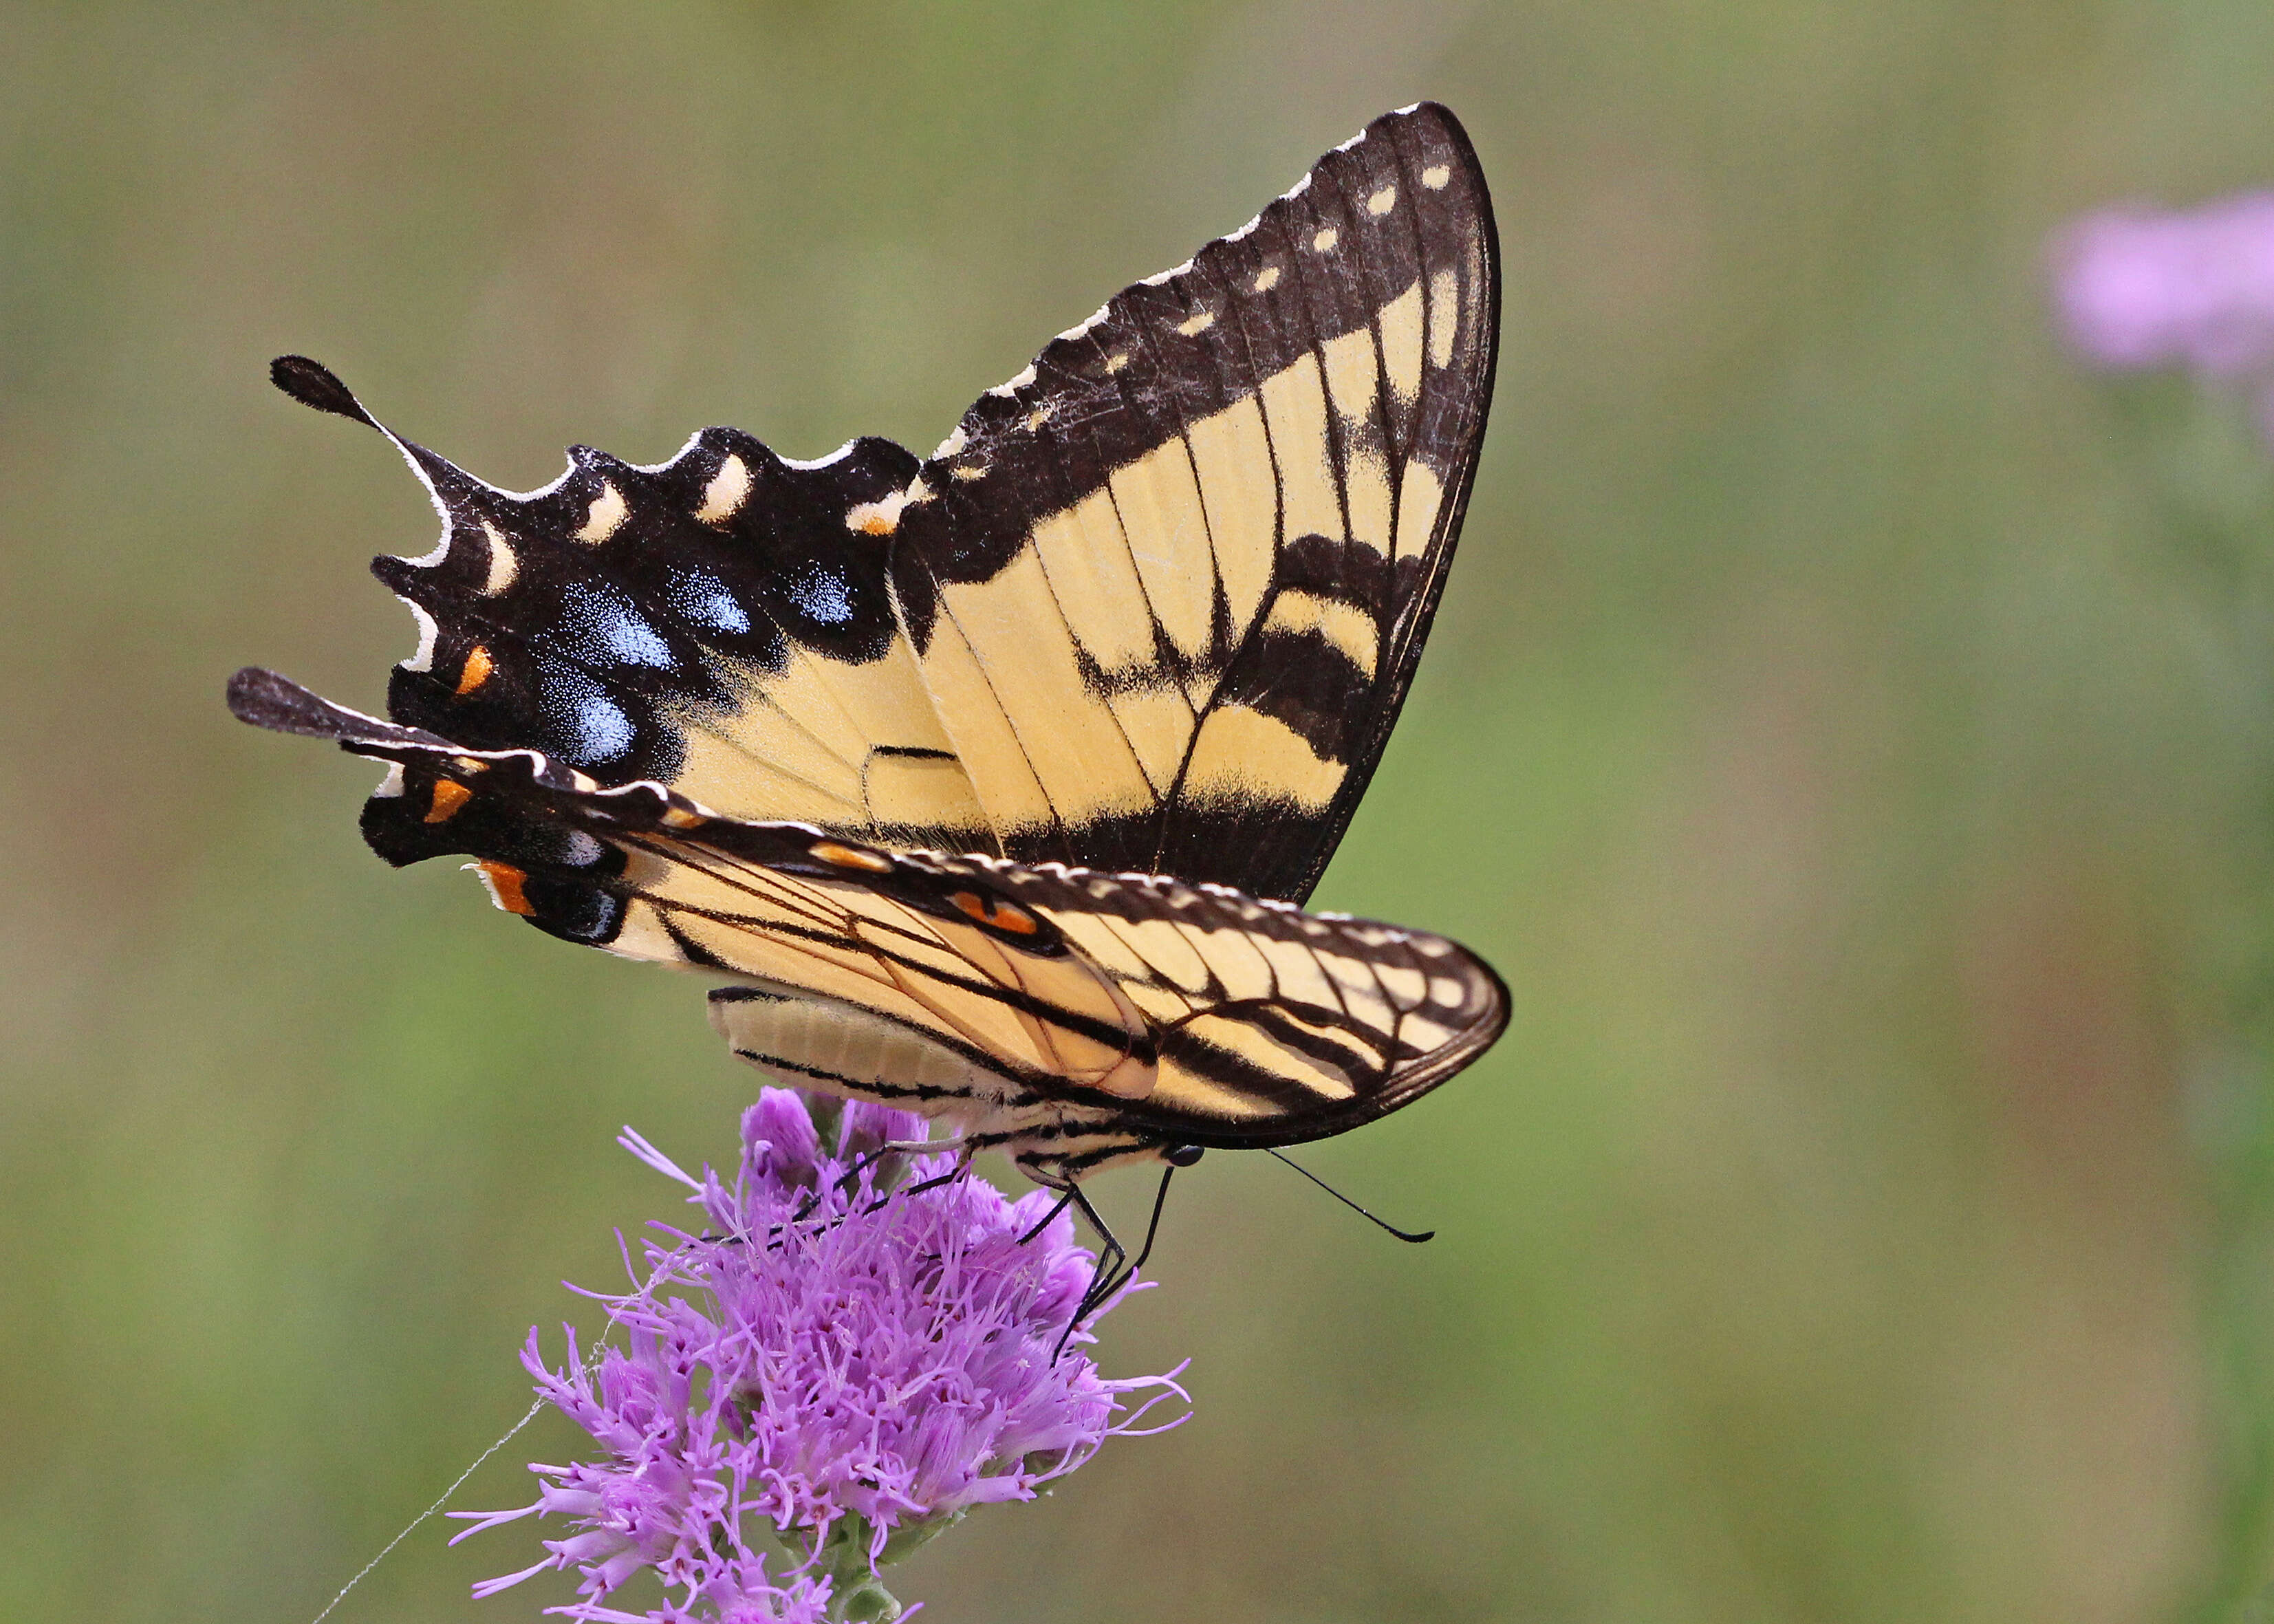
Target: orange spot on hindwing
<point x="476" y="670"/>
<point x="450" y="796"/>
<point x="998" y="915"/>
<point x="839" y="856"/>
<point x="504" y="881"/>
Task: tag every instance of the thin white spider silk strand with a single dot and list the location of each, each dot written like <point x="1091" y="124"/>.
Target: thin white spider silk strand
<point x="591" y="1365"/>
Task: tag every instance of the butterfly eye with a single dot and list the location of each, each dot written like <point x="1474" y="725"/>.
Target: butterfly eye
<point x="1182" y="1155"/>
<point x="997" y="915"/>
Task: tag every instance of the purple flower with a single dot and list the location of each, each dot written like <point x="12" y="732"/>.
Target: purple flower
<point x="2138" y="288"/>
<point x="849" y="1377"/>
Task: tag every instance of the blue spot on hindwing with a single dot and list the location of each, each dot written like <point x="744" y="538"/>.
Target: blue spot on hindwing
<point x="702" y="600"/>
<point x="591" y="726"/>
<point x="605" y="621"/>
<point x="823" y="593"/>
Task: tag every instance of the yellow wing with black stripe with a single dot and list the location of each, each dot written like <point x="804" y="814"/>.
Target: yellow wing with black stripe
<point x="1154" y="605"/>
<point x="1169" y="585"/>
<point x="1074" y="1017"/>
<point x="721" y="623"/>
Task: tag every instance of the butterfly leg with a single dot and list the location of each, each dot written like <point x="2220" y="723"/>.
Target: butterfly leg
<point x="1115" y="1270"/>
<point x="1050" y="1217"/>
<point x="1100" y="1291"/>
<point x="962" y="1166"/>
<point x="960" y="1146"/>
<point x="1109" y="1254"/>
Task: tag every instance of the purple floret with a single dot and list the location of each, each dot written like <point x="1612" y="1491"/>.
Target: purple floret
<point x="2141" y="288"/>
<point x="839" y="1384"/>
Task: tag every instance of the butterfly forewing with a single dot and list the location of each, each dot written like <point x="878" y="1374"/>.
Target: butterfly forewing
<point x="1169" y="585"/>
<point x="1154" y="606"/>
<point x="719" y="899"/>
<point x="1274" y="1025"/>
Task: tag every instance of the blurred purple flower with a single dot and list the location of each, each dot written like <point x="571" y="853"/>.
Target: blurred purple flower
<point x="848" y="1382"/>
<point x="2139" y="287"/>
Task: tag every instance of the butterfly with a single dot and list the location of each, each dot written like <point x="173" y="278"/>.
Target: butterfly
<point x="991" y="783"/>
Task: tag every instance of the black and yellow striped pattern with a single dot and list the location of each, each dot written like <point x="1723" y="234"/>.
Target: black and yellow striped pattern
<point x="1168" y="587"/>
<point x="1153" y="606"/>
<point x="1134" y="637"/>
<point x="1074" y="1017"/>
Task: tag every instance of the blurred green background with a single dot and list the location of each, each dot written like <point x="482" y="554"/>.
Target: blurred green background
<point x="1847" y="730"/>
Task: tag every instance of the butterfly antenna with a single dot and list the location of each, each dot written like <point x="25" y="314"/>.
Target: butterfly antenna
<point x="1379" y="1223"/>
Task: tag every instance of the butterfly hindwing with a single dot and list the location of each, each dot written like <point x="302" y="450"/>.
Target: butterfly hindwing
<point x="1144" y="1012"/>
<point x="713" y="623"/>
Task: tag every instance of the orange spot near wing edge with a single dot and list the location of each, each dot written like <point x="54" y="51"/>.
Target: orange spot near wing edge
<point x="504" y="881"/>
<point x="476" y="670"/>
<point x="450" y="796"/>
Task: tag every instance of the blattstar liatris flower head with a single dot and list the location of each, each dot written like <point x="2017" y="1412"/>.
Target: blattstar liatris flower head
<point x="821" y="1379"/>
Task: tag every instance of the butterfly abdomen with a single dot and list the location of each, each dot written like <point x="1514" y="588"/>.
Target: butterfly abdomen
<point x="844" y="1051"/>
<point x="810" y="1043"/>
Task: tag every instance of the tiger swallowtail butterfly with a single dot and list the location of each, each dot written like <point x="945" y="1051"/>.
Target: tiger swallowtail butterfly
<point x="1132" y="638"/>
